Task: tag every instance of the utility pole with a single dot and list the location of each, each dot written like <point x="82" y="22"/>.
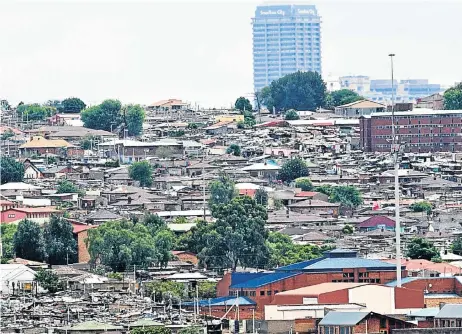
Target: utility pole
<point x="395" y="152"/>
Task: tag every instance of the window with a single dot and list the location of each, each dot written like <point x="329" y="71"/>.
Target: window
<point x="276" y="291"/>
<point x="252" y="293"/>
<point x="383" y="323"/>
<point x="268" y="293"/>
<point x="262" y="293"/>
<point x="345" y="330"/>
<point x="12" y="215"/>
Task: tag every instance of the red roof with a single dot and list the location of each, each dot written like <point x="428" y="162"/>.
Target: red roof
<point x="420" y="264"/>
<point x="5" y="202"/>
<point x="306" y="194"/>
<point x="273" y="123"/>
<point x="377" y="220"/>
<point x="247" y="192"/>
<point x="49" y="209"/>
<point x="81" y="227"/>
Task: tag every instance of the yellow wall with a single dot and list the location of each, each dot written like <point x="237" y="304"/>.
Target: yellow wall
<point x="229" y="118"/>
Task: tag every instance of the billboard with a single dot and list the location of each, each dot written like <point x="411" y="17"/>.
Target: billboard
<point x="285" y="10"/>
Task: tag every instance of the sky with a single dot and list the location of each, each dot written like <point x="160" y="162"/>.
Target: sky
<point x="201" y="52"/>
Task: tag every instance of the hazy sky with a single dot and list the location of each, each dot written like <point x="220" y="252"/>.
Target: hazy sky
<point x="144" y="51"/>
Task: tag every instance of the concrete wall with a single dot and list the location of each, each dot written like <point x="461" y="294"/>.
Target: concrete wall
<point x="378" y="298"/>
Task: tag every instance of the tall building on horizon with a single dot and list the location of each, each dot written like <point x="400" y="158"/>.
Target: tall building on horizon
<point x="286" y="39"/>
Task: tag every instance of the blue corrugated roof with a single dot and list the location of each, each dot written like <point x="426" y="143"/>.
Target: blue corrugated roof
<point x="335" y="318"/>
<point x="222" y="301"/>
<point x="425" y="312"/>
<point x="263" y="280"/>
<point x="237" y="278"/>
<point x="338" y="264"/>
<point x="451" y="311"/>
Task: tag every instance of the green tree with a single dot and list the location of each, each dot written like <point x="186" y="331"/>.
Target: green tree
<point x="422" y="206"/>
<point x="86" y="142"/>
<point x="191" y="330"/>
<point x="72" y="105"/>
<point x="261" y="196"/>
<point x="299" y="91"/>
<point x="240" y="125"/>
<point x="120" y="244"/>
<point x="151" y="330"/>
<point x="293" y="169"/>
<point x="164" y="241"/>
<point x="192" y="126"/>
<point x="29" y="242"/>
<point x="48" y="280"/>
<point x="166" y="289"/>
<point x="154" y="223"/>
<point x="347" y="229"/>
<point x="196" y="239"/>
<point x="11" y="170"/>
<point x="324" y="189"/>
<point x="66" y="187"/>
<point x="453" y="98"/>
<point x="7" y="134"/>
<point x="237" y="236"/>
<point x="7" y="235"/>
<point x="134" y="118"/>
<point x="282" y="251"/>
<point x="456" y="246"/>
<point x="116" y="276"/>
<point x="142" y="172"/>
<point x="222" y="191"/>
<point x="249" y="119"/>
<point x="207" y="289"/>
<point x="420" y="248"/>
<point x="304" y="183"/>
<point x="35" y="112"/>
<point x="291" y="115"/>
<point x="102" y="116"/>
<point x="348" y="196"/>
<point x="60" y="242"/>
<point x="181" y="220"/>
<point x="243" y="104"/>
<point x="234" y="149"/>
<point x="341" y="97"/>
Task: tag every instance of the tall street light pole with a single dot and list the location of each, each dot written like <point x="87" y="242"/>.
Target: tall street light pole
<point x="395" y="152"/>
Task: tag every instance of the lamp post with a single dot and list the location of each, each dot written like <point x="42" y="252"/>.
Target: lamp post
<point x="395" y="152"/>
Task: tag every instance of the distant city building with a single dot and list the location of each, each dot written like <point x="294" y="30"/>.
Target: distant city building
<point x="420" y="130"/>
<point x="381" y="90"/>
<point x="286" y="39"/>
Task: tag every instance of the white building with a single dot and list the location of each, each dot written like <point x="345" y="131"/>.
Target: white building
<point x="18" y="276"/>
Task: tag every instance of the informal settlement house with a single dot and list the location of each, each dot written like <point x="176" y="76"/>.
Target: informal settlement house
<point x="335" y="266"/>
<point x="40" y="146"/>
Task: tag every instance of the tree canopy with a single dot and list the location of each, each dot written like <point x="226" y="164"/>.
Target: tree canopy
<point x="299" y="91"/>
<point x="341" y="97"/>
<point x="65" y="187"/>
<point x="29" y="242"/>
<point x="35" y="112"/>
<point x="457" y="246"/>
<point x="422" y="206"/>
<point x="222" y="191"/>
<point x="293" y="169"/>
<point x="100" y="117"/>
<point x="72" y="105"/>
<point x="453" y="98"/>
<point x="60" y="243"/>
<point x="347" y="196"/>
<point x="121" y="244"/>
<point x="134" y="117"/>
<point x="291" y="115"/>
<point x="48" y="280"/>
<point x="420" y="248"/>
<point x="7" y="233"/>
<point x="243" y="104"/>
<point x="261" y="196"/>
<point x="234" y="149"/>
<point x="11" y="170"/>
<point x="142" y="172"/>
<point x="237" y="236"/>
<point x="304" y="183"/>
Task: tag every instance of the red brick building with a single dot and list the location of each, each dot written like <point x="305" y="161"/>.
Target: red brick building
<point x="422" y="130"/>
<point x="335" y="266"/>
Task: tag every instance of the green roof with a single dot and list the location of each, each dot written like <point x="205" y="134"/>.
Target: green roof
<point x="145" y="323"/>
<point x="92" y="326"/>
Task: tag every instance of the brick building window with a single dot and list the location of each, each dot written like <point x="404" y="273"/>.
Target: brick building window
<point x="262" y="293"/>
<point x="268" y="293"/>
<point x="252" y="293"/>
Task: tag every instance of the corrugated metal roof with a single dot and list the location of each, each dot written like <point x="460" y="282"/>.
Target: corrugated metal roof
<point x="334" y="318"/>
<point x="337" y="265"/>
<point x="425" y="312"/>
<point x="264" y="280"/>
<point x="451" y="311"/>
<point x="222" y="301"/>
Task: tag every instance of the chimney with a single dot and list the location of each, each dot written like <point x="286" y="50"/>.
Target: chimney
<point x="129" y="200"/>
